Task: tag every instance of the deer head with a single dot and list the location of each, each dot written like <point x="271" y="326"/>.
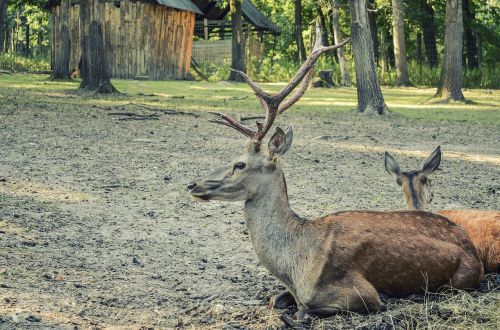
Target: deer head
<point x="248" y="174"/>
<point x="256" y="169"/>
<point x="416" y="184"/>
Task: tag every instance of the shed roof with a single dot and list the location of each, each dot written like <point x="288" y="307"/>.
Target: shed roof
<point x="212" y="11"/>
<point x="184" y="5"/>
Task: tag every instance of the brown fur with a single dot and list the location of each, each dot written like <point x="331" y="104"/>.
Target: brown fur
<point x="483" y="228"/>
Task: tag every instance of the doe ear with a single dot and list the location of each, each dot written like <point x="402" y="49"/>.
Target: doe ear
<point x="280" y="142"/>
<point x="391" y="165"/>
<point x="432" y="163"/>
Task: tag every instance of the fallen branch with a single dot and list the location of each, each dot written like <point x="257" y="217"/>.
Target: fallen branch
<point x="251" y="118"/>
<point x="196" y="67"/>
<point x="234" y="98"/>
<point x="165" y="111"/>
<point x="143" y="94"/>
<point x="134" y="116"/>
<point x="290" y="322"/>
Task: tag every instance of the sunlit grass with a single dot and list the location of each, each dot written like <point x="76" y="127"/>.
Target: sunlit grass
<point x="224" y="96"/>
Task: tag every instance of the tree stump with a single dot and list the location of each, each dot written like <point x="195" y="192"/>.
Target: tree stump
<point x="325" y="79"/>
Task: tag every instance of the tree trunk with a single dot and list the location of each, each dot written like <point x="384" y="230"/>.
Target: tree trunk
<point x="383" y="56"/>
<point x="60" y="62"/>
<point x="450" y="82"/>
<point x="238" y="41"/>
<point x="40" y="38"/>
<point x="301" y="49"/>
<point x="94" y="72"/>
<point x="324" y="28"/>
<point x="61" y="69"/>
<point x="3" y="15"/>
<point x="27" y="50"/>
<point x="398" y="34"/>
<point x="332" y="35"/>
<point x="344" y="71"/>
<point x="419" y="49"/>
<point x="470" y="37"/>
<point x="429" y="32"/>
<point x="374" y="30"/>
<point x="370" y="98"/>
<point x="324" y="31"/>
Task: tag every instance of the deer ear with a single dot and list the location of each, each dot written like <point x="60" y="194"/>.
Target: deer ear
<point x="391" y="165"/>
<point x="432" y="163"/>
<point x="277" y="144"/>
<point x="288" y="139"/>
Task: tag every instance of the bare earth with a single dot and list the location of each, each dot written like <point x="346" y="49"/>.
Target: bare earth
<point x="98" y="231"/>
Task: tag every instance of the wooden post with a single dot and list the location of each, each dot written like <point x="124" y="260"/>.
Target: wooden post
<point x="205" y="28"/>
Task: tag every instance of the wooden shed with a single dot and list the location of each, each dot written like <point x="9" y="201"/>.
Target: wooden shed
<point x="149" y="39"/>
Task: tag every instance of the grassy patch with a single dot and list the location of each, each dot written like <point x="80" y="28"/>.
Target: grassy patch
<point x="224" y="96"/>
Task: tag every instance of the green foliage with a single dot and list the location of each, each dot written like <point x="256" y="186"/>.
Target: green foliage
<point x="486" y="76"/>
<point x="19" y="63"/>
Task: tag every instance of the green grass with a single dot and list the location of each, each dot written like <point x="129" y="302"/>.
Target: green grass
<point x="224" y="96"/>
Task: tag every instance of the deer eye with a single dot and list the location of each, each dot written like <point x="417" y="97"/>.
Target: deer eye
<point x="239" y="166"/>
<point x="423" y="179"/>
<point x="399" y="181"/>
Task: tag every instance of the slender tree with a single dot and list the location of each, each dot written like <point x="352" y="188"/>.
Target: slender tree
<point x="60" y="62"/>
<point x="238" y="41"/>
<point x="94" y="67"/>
<point x="398" y="35"/>
<point x="370" y="98"/>
<point x="3" y="15"/>
<point x="450" y="81"/>
<point x="338" y="37"/>
<point x="301" y="49"/>
<point x="429" y="32"/>
<point x="372" y="18"/>
<point x="471" y="48"/>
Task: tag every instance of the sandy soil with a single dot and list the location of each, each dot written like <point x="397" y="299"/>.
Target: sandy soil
<point x="97" y="229"/>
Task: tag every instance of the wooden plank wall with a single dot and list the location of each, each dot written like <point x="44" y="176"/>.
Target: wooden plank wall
<point x="141" y="39"/>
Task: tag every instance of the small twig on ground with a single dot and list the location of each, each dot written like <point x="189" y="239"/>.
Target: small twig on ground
<point x="290" y="322"/>
<point x="144" y="94"/>
<point x="234" y="98"/>
<point x="242" y="118"/>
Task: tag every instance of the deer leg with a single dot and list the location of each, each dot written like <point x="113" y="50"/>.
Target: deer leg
<point x="320" y="311"/>
<point x="353" y="293"/>
<point x="283" y="300"/>
<point x="469" y="273"/>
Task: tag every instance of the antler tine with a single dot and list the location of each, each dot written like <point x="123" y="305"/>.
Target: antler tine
<point x="308" y="64"/>
<point x="256" y="88"/>
<point x="318" y="43"/>
<point x="271" y="103"/>
<point x="230" y="122"/>
<point x="297" y="94"/>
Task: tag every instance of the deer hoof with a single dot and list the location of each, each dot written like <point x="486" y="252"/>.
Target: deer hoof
<point x="282" y="300"/>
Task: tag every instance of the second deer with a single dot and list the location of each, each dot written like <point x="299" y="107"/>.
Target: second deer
<point x="482" y="226"/>
<point x="341" y="261"/>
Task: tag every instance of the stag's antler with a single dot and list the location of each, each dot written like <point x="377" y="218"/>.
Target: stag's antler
<point x="275" y="104"/>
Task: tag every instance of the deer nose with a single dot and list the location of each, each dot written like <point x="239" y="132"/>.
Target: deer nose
<point x="191" y="186"/>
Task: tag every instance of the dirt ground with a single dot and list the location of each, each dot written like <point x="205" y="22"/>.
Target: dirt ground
<point x="97" y="229"/>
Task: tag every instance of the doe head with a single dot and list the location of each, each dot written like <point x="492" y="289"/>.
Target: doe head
<point x="416" y="184"/>
<point x="247" y="175"/>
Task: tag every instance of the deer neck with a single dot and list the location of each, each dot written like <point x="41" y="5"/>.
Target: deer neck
<point x="274" y="228"/>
